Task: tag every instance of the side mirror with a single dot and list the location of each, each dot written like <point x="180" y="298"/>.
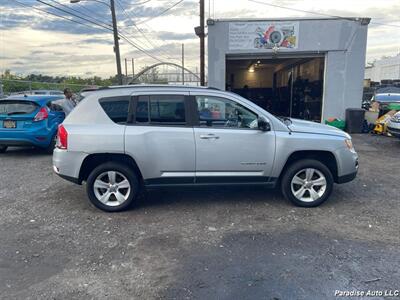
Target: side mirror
<point x="263" y="124"/>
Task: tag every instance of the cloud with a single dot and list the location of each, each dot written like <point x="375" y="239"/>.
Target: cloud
<point x="95" y="40"/>
<point x="174" y="36"/>
<point x="32" y="41"/>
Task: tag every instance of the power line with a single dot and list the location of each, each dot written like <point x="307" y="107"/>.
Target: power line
<point x="161" y="13"/>
<point x="53" y="14"/>
<point x="149" y="42"/>
<point x="150" y="29"/>
<point x="79" y="12"/>
<point x="90" y="11"/>
<point x="84" y="24"/>
<point x="315" y="13"/>
<point x="72" y="14"/>
<point x="120" y="35"/>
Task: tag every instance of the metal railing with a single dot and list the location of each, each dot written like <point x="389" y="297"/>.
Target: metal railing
<point x="11" y="86"/>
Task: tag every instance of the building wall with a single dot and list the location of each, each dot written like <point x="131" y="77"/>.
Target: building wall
<point x="343" y="42"/>
<point x="387" y="68"/>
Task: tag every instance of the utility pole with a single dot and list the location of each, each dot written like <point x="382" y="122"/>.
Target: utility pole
<point x="116" y="42"/>
<point x="183" y="64"/>
<point x="126" y="68"/>
<point x="202" y="36"/>
<point x="133" y="67"/>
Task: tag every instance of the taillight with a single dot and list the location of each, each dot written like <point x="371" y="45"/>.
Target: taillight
<point x="42" y="114"/>
<point x="62" y="138"/>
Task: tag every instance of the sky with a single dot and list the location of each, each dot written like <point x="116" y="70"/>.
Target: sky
<point x="32" y="41"/>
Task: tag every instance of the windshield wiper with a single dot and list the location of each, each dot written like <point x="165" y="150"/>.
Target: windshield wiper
<point x="16" y="113"/>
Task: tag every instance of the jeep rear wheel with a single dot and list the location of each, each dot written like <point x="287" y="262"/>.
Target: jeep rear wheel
<point x="307" y="183"/>
<point x="112" y="187"/>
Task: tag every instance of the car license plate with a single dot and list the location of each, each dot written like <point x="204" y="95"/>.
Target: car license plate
<point x="9" y="124"/>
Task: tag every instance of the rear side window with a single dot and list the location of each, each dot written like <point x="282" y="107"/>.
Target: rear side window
<point x="11" y="107"/>
<point x="116" y="110"/>
<point x="161" y="109"/>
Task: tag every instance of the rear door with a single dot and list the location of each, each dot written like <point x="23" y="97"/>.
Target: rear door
<point x="229" y="146"/>
<point x="160" y="138"/>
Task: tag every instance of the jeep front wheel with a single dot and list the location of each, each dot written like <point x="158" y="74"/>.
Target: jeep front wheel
<point x="307" y="183"/>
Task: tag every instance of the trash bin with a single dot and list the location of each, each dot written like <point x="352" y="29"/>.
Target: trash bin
<point x="354" y="120"/>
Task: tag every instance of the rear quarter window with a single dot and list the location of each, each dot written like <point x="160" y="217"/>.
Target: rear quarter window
<point x="17" y="107"/>
<point x="116" y="109"/>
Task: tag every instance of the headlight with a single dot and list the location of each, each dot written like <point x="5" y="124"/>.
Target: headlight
<point x="349" y="145"/>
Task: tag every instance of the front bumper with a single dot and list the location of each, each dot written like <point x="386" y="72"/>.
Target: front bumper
<point x="394" y="128"/>
<point x="346" y="178"/>
<point x="347" y="163"/>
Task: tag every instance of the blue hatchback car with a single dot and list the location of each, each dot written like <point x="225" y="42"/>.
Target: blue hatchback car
<point x="31" y="120"/>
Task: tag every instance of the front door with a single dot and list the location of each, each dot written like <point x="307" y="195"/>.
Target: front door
<point x="229" y="146"/>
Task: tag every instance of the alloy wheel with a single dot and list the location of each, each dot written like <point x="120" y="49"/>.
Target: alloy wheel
<point x="112" y="188"/>
<point x="308" y="185"/>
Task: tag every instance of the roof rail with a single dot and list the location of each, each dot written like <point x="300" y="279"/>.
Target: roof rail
<point x="155" y="86"/>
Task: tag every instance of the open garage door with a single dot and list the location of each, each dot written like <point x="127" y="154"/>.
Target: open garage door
<point x="291" y="87"/>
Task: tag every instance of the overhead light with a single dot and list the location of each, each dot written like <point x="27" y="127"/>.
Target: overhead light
<point x="251" y="69"/>
<point x="259" y="62"/>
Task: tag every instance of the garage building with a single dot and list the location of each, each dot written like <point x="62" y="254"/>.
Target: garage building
<point x="310" y="69"/>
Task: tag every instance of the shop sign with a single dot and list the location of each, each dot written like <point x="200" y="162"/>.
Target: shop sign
<point x="263" y="35"/>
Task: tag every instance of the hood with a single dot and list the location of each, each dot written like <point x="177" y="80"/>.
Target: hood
<point x="315" y="128"/>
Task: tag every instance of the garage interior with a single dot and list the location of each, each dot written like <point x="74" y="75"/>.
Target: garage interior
<point x="289" y="87"/>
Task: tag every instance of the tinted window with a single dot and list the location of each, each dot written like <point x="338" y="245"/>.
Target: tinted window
<point x="142" y="109"/>
<point x="17" y="107"/>
<point x="117" y="110"/>
<point x="224" y="113"/>
<point x="169" y="110"/>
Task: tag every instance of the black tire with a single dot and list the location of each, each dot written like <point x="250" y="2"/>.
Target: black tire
<point x="294" y="169"/>
<point x="116" y="167"/>
<point x="50" y="148"/>
<point x="3" y="149"/>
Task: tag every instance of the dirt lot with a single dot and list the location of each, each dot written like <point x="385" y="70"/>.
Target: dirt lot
<point x="219" y="243"/>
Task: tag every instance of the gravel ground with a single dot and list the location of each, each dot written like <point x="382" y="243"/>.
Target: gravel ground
<point x="214" y="243"/>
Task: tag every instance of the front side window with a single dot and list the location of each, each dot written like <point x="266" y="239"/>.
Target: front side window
<point x="162" y="109"/>
<point x="224" y="113"/>
<point x="116" y="110"/>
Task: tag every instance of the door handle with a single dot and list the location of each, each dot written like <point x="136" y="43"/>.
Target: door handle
<point x="209" y="136"/>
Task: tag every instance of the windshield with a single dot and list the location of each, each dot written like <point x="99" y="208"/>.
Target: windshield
<point x="387" y="97"/>
<point x="8" y="107"/>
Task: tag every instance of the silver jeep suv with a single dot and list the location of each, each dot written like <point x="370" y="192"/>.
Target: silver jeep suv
<point x="120" y="140"/>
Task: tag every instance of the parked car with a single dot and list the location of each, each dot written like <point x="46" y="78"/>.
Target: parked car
<point x="41" y="92"/>
<point x="120" y="140"/>
<point x="31" y="121"/>
<point x="393" y="125"/>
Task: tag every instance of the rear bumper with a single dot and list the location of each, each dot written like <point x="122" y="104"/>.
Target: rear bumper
<point x="38" y="138"/>
<point x="67" y="164"/>
<point x="68" y="178"/>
